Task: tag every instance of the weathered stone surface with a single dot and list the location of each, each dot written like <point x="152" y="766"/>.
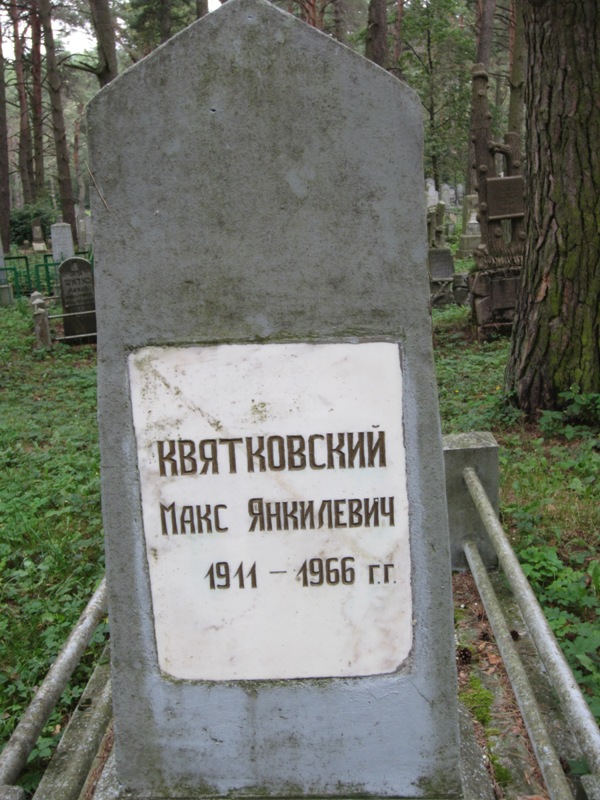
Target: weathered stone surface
<point x="238" y="188"/>
<point x="504" y="292"/>
<point x="441" y="264"/>
<point x="77" y="293"/>
<point x="479" y="450"/>
<point x="505" y="197"/>
<point x="483" y="310"/>
<point x="480" y="283"/>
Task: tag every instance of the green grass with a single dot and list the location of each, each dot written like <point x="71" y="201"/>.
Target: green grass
<point x="51" y="555"/>
<point x="550" y="485"/>
<point x="50" y="530"/>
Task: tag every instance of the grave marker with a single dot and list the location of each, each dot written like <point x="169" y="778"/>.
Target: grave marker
<point x="77" y="295"/>
<point x="37" y="236"/>
<point x="272" y="478"/>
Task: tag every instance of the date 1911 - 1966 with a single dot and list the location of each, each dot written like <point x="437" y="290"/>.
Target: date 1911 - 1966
<point x="313" y="572"/>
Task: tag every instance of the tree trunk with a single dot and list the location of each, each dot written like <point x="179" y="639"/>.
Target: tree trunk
<point x="516" y="107"/>
<point x="485" y="12"/>
<point x="25" y="147"/>
<point x="37" y="114"/>
<point x="105" y="41"/>
<point x="339" y="20"/>
<point x="58" y="123"/>
<point x="376" y="41"/>
<point x="395" y="68"/>
<point x="201" y="8"/>
<point x="165" y="22"/>
<point x="4" y="168"/>
<point x="556" y="337"/>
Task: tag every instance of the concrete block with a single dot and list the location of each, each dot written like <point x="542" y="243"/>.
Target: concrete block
<point x="477" y="449"/>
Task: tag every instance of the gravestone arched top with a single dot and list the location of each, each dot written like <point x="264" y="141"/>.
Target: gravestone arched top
<point x="236" y="139"/>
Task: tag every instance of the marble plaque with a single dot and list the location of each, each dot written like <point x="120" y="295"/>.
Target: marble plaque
<point x="275" y="509"/>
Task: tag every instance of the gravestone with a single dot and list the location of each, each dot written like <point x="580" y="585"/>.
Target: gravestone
<point x="272" y="476"/>
<point x="62" y="242"/>
<point x="441" y="264"/>
<point x="3" y="272"/>
<point x="471" y="234"/>
<point x="62" y="248"/>
<point x="37" y="236"/>
<point x="432" y="194"/>
<point x="77" y="295"/>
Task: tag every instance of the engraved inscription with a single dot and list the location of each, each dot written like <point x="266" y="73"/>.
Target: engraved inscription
<point x="274" y="508"/>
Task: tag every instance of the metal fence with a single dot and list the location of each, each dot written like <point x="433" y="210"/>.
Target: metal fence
<point x="37" y="273"/>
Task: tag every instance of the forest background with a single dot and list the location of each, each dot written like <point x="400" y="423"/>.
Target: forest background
<point x="46" y="81"/>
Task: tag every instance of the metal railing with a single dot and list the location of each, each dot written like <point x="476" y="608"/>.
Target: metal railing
<point x="16" y="752"/>
<point x="576" y="710"/>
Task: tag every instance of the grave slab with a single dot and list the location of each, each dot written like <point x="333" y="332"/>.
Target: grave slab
<point x="77" y="294"/>
<point x="272" y="470"/>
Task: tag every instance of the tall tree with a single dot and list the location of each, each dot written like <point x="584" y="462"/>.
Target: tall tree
<point x="437" y="52"/>
<point x="25" y="143"/>
<point x="107" y="68"/>
<point x="556" y="337"/>
<point x="376" y="48"/>
<point x="516" y="68"/>
<point x="485" y="29"/>
<point x="37" y="114"/>
<point x="54" y="82"/>
<point x="4" y="165"/>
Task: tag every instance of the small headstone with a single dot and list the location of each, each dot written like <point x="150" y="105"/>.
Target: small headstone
<point x="62" y="248"/>
<point x="448" y="195"/>
<point x="433" y="197"/>
<point x="77" y="294"/>
<point x="441" y="264"/>
<point x="7" y="297"/>
<point x="38" y="243"/>
<point x="272" y="482"/>
<point x="62" y="242"/>
<point x="471" y="234"/>
<point x="3" y="272"/>
<point x="82" y="236"/>
<point x="473" y="228"/>
<point x="505" y="198"/>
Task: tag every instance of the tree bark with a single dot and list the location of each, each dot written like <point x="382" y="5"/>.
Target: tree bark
<point x="395" y="68"/>
<point x="25" y="146"/>
<point x="376" y="41"/>
<point x="485" y="12"/>
<point x="4" y="167"/>
<point x="201" y="8"/>
<point x="556" y="337"/>
<point x="165" y="22"/>
<point x="37" y="114"/>
<point x="516" y="107"/>
<point x="58" y="123"/>
<point x="339" y="20"/>
<point x="107" y="69"/>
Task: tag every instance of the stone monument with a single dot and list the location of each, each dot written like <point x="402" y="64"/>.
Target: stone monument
<point x="272" y="475"/>
<point x="77" y="294"/>
<point x="37" y="236"/>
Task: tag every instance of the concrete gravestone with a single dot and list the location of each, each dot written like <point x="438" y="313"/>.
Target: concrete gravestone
<point x="37" y="236"/>
<point x="77" y="294"/>
<point x="276" y="529"/>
